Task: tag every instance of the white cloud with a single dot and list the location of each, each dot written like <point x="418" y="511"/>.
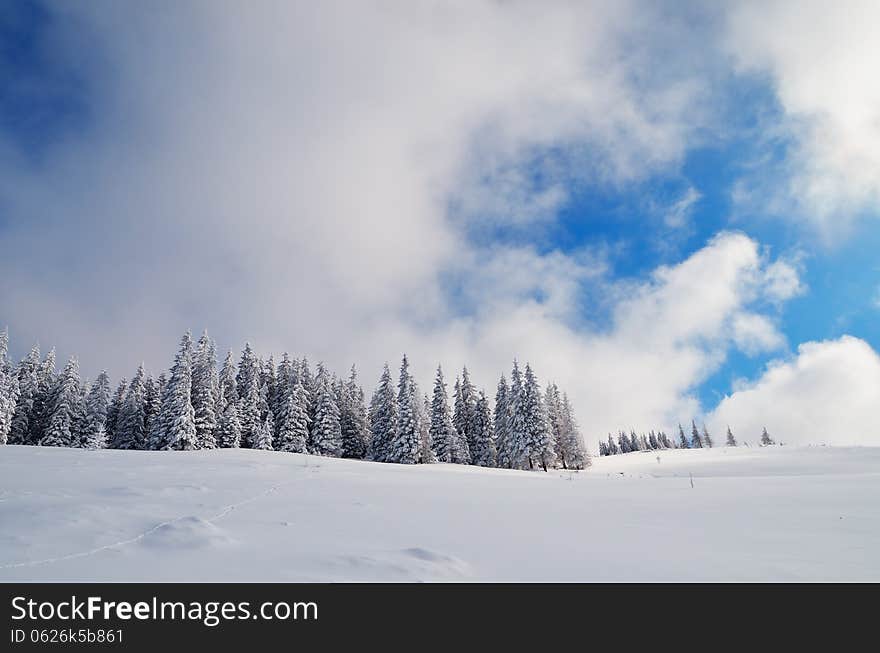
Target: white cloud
<point x="821" y="59"/>
<point x="826" y="394"/>
<point x="755" y="334"/>
<point x="782" y="281"/>
<point x="679" y="213"/>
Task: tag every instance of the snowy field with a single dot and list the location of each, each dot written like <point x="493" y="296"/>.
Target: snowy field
<point x="774" y="514"/>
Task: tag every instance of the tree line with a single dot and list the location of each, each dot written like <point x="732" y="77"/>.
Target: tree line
<point x="258" y="404"/>
<point x="659" y="440"/>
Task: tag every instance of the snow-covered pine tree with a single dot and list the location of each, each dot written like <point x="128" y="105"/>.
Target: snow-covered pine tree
<point x="283" y="388"/>
<point x="766" y="439"/>
<point x="114" y="409"/>
<point x="177" y="418"/>
<point x="502" y="424"/>
<point x="44" y="399"/>
<point x="248" y="382"/>
<point x="707" y="439"/>
<point x="612" y="447"/>
<point x="153" y="391"/>
<point x="553" y="409"/>
<point x="325" y="438"/>
<point x="97" y="403"/>
<point x="633" y="441"/>
<point x="130" y="431"/>
<point x="443" y="435"/>
<point x="574" y="448"/>
<point x="228" y="382"/>
<point x="263" y="438"/>
<point x="28" y="383"/>
<point x="268" y="381"/>
<point x="426" y="443"/>
<point x="228" y="433"/>
<point x="653" y="443"/>
<point x="308" y="382"/>
<point x="8" y="388"/>
<point x="267" y="389"/>
<point x="481" y="426"/>
<point x="731" y="441"/>
<point x="204" y="387"/>
<point x="696" y="440"/>
<point x="516" y="432"/>
<point x="383" y="417"/>
<point x="293" y="429"/>
<point x="683" y="444"/>
<point x="405" y="446"/>
<point x="353" y="418"/>
<point x="465" y="403"/>
<point x="67" y="409"/>
<point x="5" y="365"/>
<point x="533" y="443"/>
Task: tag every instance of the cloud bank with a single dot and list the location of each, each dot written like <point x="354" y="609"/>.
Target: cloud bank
<point x="827" y="393"/>
<point x="308" y="176"/>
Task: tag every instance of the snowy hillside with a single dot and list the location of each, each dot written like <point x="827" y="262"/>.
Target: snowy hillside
<point x="779" y="513"/>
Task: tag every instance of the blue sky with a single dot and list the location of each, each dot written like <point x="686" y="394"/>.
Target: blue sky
<point x="350" y="183"/>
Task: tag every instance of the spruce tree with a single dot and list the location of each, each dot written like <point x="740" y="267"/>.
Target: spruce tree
<point x="406" y="443"/>
<point x="766" y="439"/>
<point x="263" y="438"/>
<point x="731" y="441"/>
<point x="502" y="424"/>
<point x="205" y="382"/>
<point x="696" y="440"/>
<point x="684" y="444"/>
<point x="43" y="399"/>
<point x="248" y="382"/>
<point x="282" y="389"/>
<point x="483" y="450"/>
<point x="573" y="442"/>
<point x="443" y="435"/>
<point x="517" y="434"/>
<point x="97" y="404"/>
<point x="464" y="406"/>
<point x="326" y="434"/>
<point x="707" y="439"/>
<point x="612" y="446"/>
<point x="130" y="431"/>
<point x="353" y="418"/>
<point x="268" y="382"/>
<point x="177" y="419"/>
<point x="153" y="390"/>
<point x="8" y="388"/>
<point x="308" y="382"/>
<point x="114" y="409"/>
<point x="28" y="384"/>
<point x="228" y="434"/>
<point x="383" y="417"/>
<point x="534" y="444"/>
<point x="423" y="415"/>
<point x="228" y="384"/>
<point x="293" y="427"/>
<point x="67" y="410"/>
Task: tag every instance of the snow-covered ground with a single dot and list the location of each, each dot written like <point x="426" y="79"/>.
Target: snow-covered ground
<point x="780" y="513"/>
